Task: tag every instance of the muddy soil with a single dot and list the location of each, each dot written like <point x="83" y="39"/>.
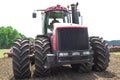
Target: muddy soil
<point x="66" y="73"/>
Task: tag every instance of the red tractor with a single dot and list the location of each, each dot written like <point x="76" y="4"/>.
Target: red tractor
<point x="64" y="41"/>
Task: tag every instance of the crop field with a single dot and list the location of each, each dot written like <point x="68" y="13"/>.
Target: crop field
<point x="65" y="72"/>
<point x="117" y="53"/>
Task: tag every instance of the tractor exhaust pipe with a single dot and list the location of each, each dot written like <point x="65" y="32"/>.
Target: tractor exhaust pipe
<point x="75" y="14"/>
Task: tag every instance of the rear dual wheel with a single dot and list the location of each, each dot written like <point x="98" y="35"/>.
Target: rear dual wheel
<point x="101" y="54"/>
<point x="42" y="48"/>
<point x="21" y="60"/>
<point x="21" y="63"/>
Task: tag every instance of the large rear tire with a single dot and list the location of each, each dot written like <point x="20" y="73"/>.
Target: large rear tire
<point x="101" y="53"/>
<point x="42" y="48"/>
<point x="21" y="68"/>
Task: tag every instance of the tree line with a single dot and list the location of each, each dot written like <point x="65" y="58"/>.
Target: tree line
<point x="113" y="43"/>
<point x="8" y="35"/>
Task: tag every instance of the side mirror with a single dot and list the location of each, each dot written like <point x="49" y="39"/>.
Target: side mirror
<point x="34" y="15"/>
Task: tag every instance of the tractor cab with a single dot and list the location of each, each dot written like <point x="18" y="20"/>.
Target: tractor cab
<point x="57" y="14"/>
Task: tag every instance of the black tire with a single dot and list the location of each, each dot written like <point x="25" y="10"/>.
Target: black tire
<point x="21" y="63"/>
<point x="82" y="68"/>
<point x="42" y="47"/>
<point x="101" y="54"/>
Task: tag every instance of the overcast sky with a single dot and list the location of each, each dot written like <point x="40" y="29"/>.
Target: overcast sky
<point x="101" y="16"/>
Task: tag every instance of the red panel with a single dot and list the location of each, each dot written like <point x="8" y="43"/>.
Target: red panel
<point x="54" y="43"/>
<point x="58" y="7"/>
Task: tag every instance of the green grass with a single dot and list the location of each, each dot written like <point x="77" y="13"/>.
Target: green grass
<point x="117" y="53"/>
<point x="2" y="52"/>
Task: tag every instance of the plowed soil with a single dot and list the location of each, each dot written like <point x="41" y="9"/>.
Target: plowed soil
<point x="66" y="73"/>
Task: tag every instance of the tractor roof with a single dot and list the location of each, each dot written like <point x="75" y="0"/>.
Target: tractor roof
<point x="58" y="7"/>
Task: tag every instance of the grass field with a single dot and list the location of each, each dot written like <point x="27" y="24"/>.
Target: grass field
<point x="117" y="53"/>
<point x="2" y="52"/>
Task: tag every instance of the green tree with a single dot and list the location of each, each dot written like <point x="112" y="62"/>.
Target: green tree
<point x="8" y="35"/>
<point x="31" y="39"/>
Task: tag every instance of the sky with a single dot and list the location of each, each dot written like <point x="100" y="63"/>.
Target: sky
<point x="102" y="17"/>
